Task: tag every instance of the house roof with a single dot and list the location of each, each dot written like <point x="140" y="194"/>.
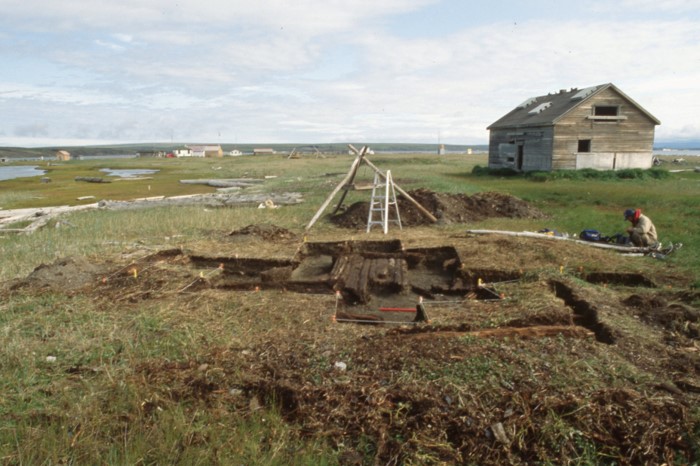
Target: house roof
<point x="546" y="110"/>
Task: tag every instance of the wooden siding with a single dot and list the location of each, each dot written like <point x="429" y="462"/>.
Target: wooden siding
<point x="631" y="137"/>
<point x="614" y="141"/>
<point x="536" y="145"/>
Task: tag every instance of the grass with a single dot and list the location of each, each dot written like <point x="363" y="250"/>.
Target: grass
<point x="108" y="397"/>
<point x="89" y="415"/>
<point x="575" y="201"/>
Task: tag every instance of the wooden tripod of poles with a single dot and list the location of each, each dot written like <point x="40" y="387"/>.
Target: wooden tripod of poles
<point x="347" y="184"/>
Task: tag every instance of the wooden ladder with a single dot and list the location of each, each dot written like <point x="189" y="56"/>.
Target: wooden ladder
<point x="383" y="198"/>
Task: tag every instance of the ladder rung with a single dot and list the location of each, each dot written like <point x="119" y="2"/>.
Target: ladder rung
<point x="383" y="196"/>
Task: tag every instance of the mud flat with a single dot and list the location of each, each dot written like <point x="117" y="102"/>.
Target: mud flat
<point x="39" y="217"/>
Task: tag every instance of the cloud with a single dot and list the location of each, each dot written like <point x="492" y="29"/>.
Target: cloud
<point x="127" y="38"/>
<point x="32" y="130"/>
<point x="667" y="6"/>
<point x="111" y="46"/>
<point x="281" y="71"/>
<point x="306" y="17"/>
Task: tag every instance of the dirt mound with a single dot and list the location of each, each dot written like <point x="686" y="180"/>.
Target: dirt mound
<point x="447" y="208"/>
<point x="64" y="274"/>
<point x="266" y="232"/>
<point x="675" y="316"/>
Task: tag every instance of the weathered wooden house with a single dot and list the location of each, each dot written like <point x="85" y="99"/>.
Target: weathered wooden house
<point x="63" y="155"/>
<point x="597" y="127"/>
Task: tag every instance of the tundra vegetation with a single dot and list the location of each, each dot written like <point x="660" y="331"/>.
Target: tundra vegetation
<point x="205" y="335"/>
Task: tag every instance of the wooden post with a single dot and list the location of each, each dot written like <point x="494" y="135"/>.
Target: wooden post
<point x="351" y="174"/>
<point x="360" y="155"/>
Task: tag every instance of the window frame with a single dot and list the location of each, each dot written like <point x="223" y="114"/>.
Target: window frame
<point x="587" y="144"/>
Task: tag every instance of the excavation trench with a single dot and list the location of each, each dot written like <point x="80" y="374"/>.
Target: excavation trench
<point x="585" y="314"/>
<point x="620" y="279"/>
<point x="370" y="274"/>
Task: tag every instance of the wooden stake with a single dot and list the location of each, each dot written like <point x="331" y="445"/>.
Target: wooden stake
<point x="353" y="172"/>
<point x="350" y="175"/>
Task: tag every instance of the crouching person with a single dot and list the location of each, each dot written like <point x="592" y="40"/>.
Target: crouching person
<point x="642" y="233"/>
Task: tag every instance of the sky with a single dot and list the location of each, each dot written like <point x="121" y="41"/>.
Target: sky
<point x="79" y="72"/>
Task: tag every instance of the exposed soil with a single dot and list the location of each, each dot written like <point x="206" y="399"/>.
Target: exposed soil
<point x="447" y="208"/>
<point x="675" y="315"/>
<point x="522" y="360"/>
<point x="266" y="232"/>
<point x="67" y="274"/>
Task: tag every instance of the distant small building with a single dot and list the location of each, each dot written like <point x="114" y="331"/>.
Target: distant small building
<point x="206" y="150"/>
<point x="597" y="127"/>
<point x="235" y="153"/>
<point x="263" y="151"/>
<point x="63" y="155"/>
<point x="183" y="152"/>
<point x="441" y="149"/>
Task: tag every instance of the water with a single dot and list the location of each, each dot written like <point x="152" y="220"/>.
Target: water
<point x="20" y="171"/>
<point x="678" y="152"/>
<point x="128" y="172"/>
<point x="110" y="156"/>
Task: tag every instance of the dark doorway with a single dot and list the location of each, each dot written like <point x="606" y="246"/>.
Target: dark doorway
<point x="519" y="159"/>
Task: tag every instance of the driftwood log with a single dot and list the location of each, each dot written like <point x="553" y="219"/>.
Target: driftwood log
<point x="530" y="234"/>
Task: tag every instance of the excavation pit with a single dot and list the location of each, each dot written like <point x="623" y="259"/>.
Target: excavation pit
<point x="620" y="279"/>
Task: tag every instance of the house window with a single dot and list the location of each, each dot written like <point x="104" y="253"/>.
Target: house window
<point x="584" y="145"/>
<point x="606" y="110"/>
<point x="606" y="114"/>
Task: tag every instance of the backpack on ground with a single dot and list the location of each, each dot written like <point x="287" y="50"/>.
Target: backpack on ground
<point x="591" y="235"/>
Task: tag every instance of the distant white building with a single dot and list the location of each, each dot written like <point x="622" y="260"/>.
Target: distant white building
<point x="186" y="152"/>
<point x="199" y="150"/>
<point x="235" y="153"/>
